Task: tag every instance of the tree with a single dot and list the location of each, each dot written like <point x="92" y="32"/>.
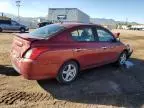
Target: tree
<point x="129" y="26"/>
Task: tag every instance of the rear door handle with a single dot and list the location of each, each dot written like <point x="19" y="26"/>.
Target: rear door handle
<point x="104" y="47"/>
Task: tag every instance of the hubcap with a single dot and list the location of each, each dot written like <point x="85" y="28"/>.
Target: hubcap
<point x="69" y="72"/>
<point x="123" y="59"/>
<point x="22" y="30"/>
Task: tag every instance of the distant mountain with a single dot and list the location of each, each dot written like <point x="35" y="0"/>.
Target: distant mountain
<point x="129" y="23"/>
<point x="104" y="21"/>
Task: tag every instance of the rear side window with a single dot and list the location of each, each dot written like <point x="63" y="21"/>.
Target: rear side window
<point x="84" y="34"/>
<point x="5" y="21"/>
<point x="46" y="31"/>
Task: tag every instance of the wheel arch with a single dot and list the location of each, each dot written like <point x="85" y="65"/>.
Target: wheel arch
<point x="125" y="50"/>
<point x="1" y="29"/>
<point x="22" y="28"/>
<point x="72" y="59"/>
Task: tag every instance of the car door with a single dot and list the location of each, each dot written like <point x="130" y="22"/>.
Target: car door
<point x="85" y="49"/>
<point x="6" y="26"/>
<point x="14" y="25"/>
<point x="109" y="45"/>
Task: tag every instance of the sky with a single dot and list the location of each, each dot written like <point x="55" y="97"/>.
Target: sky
<point x="120" y="10"/>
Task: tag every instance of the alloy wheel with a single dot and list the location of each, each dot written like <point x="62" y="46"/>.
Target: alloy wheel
<point x="123" y="58"/>
<point x="69" y="72"/>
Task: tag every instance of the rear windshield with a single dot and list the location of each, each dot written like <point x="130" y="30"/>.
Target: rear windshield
<point x="46" y="31"/>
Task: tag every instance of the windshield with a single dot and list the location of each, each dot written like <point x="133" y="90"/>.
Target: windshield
<point x="46" y="31"/>
<point x="14" y="23"/>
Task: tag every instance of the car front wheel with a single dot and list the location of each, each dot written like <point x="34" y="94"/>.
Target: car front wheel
<point x="22" y="30"/>
<point x="68" y="72"/>
<point x="122" y="59"/>
<point x="0" y="29"/>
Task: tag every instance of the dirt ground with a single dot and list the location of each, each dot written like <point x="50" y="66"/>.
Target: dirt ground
<point x="103" y="87"/>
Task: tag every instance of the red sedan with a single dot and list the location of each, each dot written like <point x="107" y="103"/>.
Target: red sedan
<point x="61" y="51"/>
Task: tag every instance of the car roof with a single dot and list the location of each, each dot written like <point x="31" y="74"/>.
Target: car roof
<point x="71" y="25"/>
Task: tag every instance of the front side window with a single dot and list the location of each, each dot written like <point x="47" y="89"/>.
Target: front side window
<point x="104" y="36"/>
<point x="85" y="34"/>
<point x="14" y="23"/>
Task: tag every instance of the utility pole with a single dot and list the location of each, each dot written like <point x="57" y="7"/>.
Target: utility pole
<point x="2" y="14"/>
<point x="126" y="21"/>
<point x="48" y="13"/>
<point x="18" y="6"/>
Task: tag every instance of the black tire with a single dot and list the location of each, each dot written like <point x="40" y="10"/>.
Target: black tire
<point x="22" y="30"/>
<point x="60" y="77"/>
<point x="119" y="61"/>
<point x="1" y="30"/>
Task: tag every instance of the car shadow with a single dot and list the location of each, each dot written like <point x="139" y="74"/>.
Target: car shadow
<point x="8" y="70"/>
<point x="105" y="85"/>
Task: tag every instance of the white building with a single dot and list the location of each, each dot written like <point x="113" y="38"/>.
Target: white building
<point x="109" y="26"/>
<point x="124" y="27"/>
<point x="137" y="27"/>
<point x="67" y="15"/>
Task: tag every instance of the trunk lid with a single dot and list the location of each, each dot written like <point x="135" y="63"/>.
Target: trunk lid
<point x="21" y="43"/>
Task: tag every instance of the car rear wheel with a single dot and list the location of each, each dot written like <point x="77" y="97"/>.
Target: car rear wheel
<point x="68" y="72"/>
<point x="22" y="30"/>
<point x="0" y="29"/>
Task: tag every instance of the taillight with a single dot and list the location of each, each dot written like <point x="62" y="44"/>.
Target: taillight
<point x="34" y="53"/>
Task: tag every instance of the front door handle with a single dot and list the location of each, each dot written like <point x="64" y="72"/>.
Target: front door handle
<point x="78" y="49"/>
<point x="112" y="47"/>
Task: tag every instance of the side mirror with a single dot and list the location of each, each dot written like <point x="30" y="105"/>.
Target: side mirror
<point x="116" y="35"/>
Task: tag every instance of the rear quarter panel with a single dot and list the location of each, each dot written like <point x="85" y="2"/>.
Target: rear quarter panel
<point x="58" y="50"/>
